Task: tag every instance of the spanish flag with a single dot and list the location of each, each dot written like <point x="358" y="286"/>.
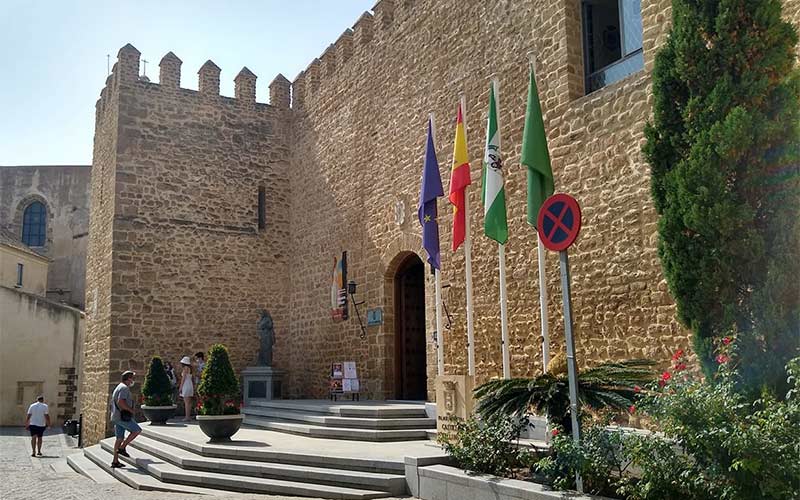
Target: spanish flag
<point x="459" y="180"/>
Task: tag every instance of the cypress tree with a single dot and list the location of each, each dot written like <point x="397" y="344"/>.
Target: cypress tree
<point x="724" y="149"/>
<point x="157" y="389"/>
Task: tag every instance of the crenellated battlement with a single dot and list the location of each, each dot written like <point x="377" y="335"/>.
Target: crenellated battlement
<point x="352" y="47"/>
<point x="125" y="73"/>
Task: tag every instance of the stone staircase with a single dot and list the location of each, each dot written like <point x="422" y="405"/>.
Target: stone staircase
<point x="313" y="460"/>
<point x="346" y="420"/>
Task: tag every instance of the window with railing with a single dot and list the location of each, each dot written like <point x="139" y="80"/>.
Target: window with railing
<point x="612" y="41"/>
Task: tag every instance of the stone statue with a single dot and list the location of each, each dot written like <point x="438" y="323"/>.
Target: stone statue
<point x="266" y="333"/>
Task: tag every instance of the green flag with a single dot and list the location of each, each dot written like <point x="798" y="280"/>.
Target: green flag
<point x="495" y="224"/>
<point x="535" y="155"/>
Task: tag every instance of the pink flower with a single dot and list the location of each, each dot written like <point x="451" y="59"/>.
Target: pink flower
<point x="632" y="409"/>
<point x="680" y="366"/>
<point x="726" y="340"/>
<point x="722" y="359"/>
<point x="637" y="389"/>
<point x="666" y="376"/>
<point x="555" y="432"/>
<point x="678" y="355"/>
<point x="661" y="383"/>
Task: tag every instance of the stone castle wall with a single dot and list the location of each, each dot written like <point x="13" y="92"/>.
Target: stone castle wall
<point x="180" y="261"/>
<point x="360" y="131"/>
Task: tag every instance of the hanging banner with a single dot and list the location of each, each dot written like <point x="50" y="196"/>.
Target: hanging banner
<point x="339" y="289"/>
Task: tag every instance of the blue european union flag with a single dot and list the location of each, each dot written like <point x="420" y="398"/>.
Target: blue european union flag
<point x="431" y="189"/>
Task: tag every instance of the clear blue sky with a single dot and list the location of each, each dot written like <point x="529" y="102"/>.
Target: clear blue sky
<point x="53" y="57"/>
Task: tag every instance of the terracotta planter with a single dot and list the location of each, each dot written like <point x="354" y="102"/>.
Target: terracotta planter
<point x="159" y="414"/>
<point x="220" y="427"/>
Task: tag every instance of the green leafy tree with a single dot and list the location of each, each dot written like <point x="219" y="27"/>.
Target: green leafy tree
<point x="219" y="388"/>
<point x="609" y="385"/>
<point x="724" y="148"/>
<point x="157" y="390"/>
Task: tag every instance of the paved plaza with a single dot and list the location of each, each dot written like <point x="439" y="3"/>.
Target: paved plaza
<point x="23" y="477"/>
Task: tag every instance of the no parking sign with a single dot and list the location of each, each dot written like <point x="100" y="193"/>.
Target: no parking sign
<point x="558" y="224"/>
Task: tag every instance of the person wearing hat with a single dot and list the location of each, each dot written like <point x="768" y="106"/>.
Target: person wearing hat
<point x="187" y="387"/>
<point x="122" y="417"/>
<point x="37" y="421"/>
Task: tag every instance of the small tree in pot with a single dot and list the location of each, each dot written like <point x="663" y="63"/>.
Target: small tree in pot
<point x="219" y="397"/>
<point x="158" y="405"/>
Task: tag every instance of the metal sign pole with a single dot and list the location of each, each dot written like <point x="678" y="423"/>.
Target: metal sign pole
<point x="571" y="367"/>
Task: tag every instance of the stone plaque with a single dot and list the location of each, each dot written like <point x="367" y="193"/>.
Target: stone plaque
<point x="257" y="389"/>
<point x="454" y="402"/>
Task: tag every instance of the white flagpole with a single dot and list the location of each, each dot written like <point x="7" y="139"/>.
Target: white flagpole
<point x="439" y="332"/>
<point x="543" y="304"/>
<point x="502" y="258"/>
<point x="468" y="264"/>
<point x="504" y="313"/>
<point x="542" y="282"/>
<point x="438" y="291"/>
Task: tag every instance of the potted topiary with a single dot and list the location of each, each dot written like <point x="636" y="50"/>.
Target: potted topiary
<point x="158" y="405"/>
<point x="219" y="397"/>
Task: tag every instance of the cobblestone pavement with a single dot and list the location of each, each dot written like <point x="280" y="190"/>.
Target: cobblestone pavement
<point x="23" y="477"/>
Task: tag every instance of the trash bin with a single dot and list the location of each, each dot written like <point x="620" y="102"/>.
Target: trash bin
<point x="71" y="427"/>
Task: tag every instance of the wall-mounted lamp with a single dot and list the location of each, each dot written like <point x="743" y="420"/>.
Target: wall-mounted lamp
<point x="351" y="291"/>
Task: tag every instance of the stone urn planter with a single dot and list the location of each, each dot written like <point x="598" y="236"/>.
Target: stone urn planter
<point x="159" y="414"/>
<point x="220" y="427"/>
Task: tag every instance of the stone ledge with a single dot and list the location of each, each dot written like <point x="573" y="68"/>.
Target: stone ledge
<point x="441" y="482"/>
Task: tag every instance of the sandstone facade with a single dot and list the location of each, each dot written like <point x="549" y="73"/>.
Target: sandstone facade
<point x="64" y="191"/>
<point x="177" y="260"/>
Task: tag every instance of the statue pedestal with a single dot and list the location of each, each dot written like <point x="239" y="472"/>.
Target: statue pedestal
<point x="261" y="383"/>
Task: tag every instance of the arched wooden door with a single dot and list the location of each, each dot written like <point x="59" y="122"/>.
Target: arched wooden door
<point x="410" y="357"/>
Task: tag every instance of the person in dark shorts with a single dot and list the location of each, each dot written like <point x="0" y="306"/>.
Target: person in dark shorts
<point x="122" y="417"/>
<point x="37" y="421"/>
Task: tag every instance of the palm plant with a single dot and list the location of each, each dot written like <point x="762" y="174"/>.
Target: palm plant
<point x="608" y="385"/>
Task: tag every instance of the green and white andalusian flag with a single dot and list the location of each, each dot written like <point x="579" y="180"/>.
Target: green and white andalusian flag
<point x="495" y="224"/>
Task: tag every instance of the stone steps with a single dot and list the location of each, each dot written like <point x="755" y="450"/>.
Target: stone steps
<point x="347" y="409"/>
<point x="355" y="421"/>
<point x="168" y="473"/>
<point x="259" y="454"/>
<point x="81" y="464"/>
<point x="330" y="420"/>
<point x="137" y="478"/>
<point x="349" y="433"/>
<point x="188" y="460"/>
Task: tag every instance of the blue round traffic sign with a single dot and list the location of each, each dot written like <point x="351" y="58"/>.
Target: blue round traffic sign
<point x="559" y="222"/>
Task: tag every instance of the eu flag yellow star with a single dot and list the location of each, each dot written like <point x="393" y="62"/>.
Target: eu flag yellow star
<point x="427" y="218"/>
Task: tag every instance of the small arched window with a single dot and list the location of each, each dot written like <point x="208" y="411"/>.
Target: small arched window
<point x="34" y="225"/>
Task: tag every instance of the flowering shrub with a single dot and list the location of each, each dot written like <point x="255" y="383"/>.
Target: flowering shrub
<point x="488" y="447"/>
<point x="718" y="444"/>
<point x="599" y="458"/>
<point x="714" y="442"/>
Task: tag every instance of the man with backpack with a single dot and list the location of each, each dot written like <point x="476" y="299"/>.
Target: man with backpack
<point x="122" y="417"/>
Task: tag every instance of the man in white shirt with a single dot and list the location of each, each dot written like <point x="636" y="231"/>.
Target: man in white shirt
<point x="37" y="421"/>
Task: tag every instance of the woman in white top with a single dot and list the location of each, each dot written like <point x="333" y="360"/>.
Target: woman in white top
<point x="187" y="387"/>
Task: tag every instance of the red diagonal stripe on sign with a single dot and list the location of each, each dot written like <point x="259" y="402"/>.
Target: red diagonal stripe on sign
<point x="557" y="222"/>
